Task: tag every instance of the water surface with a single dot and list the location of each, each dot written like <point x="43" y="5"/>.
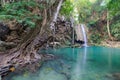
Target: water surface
<point x="91" y="63"/>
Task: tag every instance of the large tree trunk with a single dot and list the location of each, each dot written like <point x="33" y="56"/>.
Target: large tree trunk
<point x="27" y="50"/>
<point x="52" y="26"/>
<point x="108" y="28"/>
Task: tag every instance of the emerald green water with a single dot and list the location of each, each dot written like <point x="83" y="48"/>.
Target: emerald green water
<point x="91" y="63"/>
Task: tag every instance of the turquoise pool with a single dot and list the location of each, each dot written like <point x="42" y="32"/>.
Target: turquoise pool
<point x="86" y="63"/>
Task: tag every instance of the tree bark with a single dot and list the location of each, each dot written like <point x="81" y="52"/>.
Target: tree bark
<point x="108" y="28"/>
<point x="52" y="26"/>
<point x="27" y="50"/>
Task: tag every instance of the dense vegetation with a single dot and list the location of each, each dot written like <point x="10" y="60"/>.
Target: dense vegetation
<point x="114" y="7"/>
<point x="32" y="25"/>
<point x="29" y="24"/>
<point x="100" y="16"/>
<point x="22" y="12"/>
<point x="93" y="13"/>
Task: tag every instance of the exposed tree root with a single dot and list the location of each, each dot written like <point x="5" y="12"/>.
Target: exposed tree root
<point x="27" y="50"/>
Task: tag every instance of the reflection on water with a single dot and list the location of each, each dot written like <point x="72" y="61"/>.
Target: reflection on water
<point x="91" y="63"/>
<point x="85" y="55"/>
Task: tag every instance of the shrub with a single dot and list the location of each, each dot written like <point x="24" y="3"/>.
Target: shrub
<point x="115" y="30"/>
<point x="21" y="11"/>
<point x="96" y="38"/>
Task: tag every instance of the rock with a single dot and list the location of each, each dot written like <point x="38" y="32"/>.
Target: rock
<point x="48" y="57"/>
<point x="79" y="32"/>
<point x="55" y="43"/>
<point x="116" y="76"/>
<point x="4" y="30"/>
<point x="79" y="41"/>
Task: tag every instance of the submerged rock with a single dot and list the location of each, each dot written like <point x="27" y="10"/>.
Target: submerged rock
<point x="115" y="76"/>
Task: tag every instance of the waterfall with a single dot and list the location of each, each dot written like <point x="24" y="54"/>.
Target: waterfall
<point x="84" y="35"/>
<point x="85" y="43"/>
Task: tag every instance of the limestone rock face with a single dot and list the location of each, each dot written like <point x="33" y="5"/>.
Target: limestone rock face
<point x="79" y="33"/>
<point x="4" y="30"/>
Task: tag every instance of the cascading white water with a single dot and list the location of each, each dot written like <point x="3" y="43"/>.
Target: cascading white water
<point x="84" y="35"/>
<point x="85" y="44"/>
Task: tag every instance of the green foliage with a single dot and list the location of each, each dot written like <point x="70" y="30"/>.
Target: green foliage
<point x="21" y="11"/>
<point x="115" y="30"/>
<point x="84" y="9"/>
<point x="96" y="38"/>
<point x="114" y="6"/>
<point x="67" y="8"/>
<point x="92" y="22"/>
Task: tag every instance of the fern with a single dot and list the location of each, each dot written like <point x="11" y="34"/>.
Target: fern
<point x="20" y="11"/>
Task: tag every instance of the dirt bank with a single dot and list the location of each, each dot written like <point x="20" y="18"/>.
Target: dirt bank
<point x="114" y="44"/>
